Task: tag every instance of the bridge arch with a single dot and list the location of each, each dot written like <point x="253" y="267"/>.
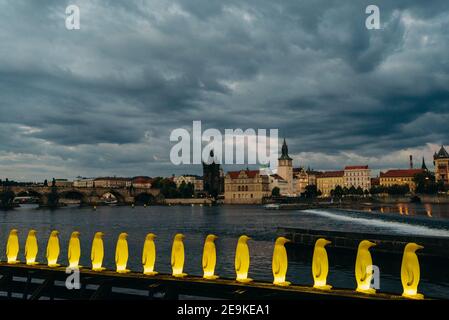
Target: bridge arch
<point x="144" y="198"/>
<point x="75" y="195"/>
<point x="116" y="194"/>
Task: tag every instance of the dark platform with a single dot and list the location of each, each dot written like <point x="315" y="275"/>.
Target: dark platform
<point x="41" y="282"/>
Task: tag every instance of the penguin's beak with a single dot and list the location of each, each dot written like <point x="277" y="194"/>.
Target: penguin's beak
<point x="328" y="242"/>
<point x="419" y="247"/>
<point x="215" y="237"/>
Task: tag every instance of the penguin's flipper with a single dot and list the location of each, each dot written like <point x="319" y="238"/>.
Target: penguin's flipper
<point x="69" y="254"/>
<point x="410" y="275"/>
<point x="316" y="268"/>
<point x="173" y="259"/>
<point x="145" y="253"/>
<point x="205" y="260"/>
<point x="363" y="272"/>
<point x="276" y="265"/>
<point x="117" y="256"/>
<point x="238" y="263"/>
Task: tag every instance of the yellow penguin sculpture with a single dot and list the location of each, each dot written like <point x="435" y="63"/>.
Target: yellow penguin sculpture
<point x="209" y="257"/>
<point x="410" y="272"/>
<point x="280" y="262"/>
<point x="31" y="248"/>
<point x="177" y="256"/>
<point x="242" y="260"/>
<point x="149" y="255"/>
<point x="12" y="247"/>
<point x="320" y="265"/>
<point x="97" y="252"/>
<point x="121" y="253"/>
<point x="53" y="249"/>
<point x="363" y="265"/>
<point x="74" y="251"/>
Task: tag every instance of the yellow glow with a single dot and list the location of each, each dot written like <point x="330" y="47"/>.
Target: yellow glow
<point x="97" y="252"/>
<point x="242" y="260"/>
<point x="280" y="262"/>
<point x="74" y="251"/>
<point x="121" y="253"/>
<point x="410" y="271"/>
<point x="177" y="256"/>
<point x="12" y="247"/>
<point x="209" y="257"/>
<point x="363" y="262"/>
<point x="53" y="249"/>
<point x="149" y="255"/>
<point x="320" y="265"/>
<point x="31" y="248"/>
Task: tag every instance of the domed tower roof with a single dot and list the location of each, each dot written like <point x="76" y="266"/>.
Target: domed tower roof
<point x="284" y="150"/>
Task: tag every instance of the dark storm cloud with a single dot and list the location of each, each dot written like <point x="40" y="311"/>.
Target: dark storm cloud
<point x="103" y="100"/>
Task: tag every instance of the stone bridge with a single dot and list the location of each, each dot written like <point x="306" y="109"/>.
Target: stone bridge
<point x="88" y="195"/>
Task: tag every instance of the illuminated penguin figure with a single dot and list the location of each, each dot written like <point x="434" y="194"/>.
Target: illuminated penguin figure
<point x="97" y="252"/>
<point x="149" y="255"/>
<point x="74" y="251"/>
<point x="12" y="247"/>
<point x="410" y="272"/>
<point x="280" y="262"/>
<point x="209" y="257"/>
<point x="53" y="249"/>
<point x="177" y="256"/>
<point x="363" y="267"/>
<point x="121" y="253"/>
<point x="31" y="248"/>
<point x="320" y="265"/>
<point x="242" y="259"/>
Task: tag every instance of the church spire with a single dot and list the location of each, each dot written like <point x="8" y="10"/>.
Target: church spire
<point x="423" y="166"/>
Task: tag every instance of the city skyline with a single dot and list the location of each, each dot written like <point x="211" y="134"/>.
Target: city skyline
<point x="103" y="100"/>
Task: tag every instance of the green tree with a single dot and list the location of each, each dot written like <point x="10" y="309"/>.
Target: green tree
<point x="425" y="183"/>
<point x="352" y="191"/>
<point x="398" y="189"/>
<point x="337" y="192"/>
<point x="7" y="199"/>
<point x="312" y="192"/>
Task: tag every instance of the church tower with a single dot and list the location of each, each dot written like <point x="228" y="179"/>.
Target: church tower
<point x="441" y="162"/>
<point x="285" y="167"/>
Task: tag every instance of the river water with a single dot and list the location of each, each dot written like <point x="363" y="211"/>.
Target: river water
<point x="229" y="222"/>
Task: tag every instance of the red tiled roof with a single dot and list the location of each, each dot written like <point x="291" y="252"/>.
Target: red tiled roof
<point x="142" y="180"/>
<point x="112" y="179"/>
<point x="356" y="167"/>
<point x="332" y="174"/>
<point x="400" y="173"/>
<point x="249" y="173"/>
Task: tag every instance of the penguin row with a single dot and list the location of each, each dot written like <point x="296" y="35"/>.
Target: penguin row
<point x="410" y="272"/>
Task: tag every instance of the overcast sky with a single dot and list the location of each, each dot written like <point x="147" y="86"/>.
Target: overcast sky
<point x="103" y="100"/>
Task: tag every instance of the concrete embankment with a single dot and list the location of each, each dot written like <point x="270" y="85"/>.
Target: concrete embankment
<point x="386" y="243"/>
<point x="187" y="202"/>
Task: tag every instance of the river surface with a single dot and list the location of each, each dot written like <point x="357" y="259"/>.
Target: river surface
<point x="228" y="223"/>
